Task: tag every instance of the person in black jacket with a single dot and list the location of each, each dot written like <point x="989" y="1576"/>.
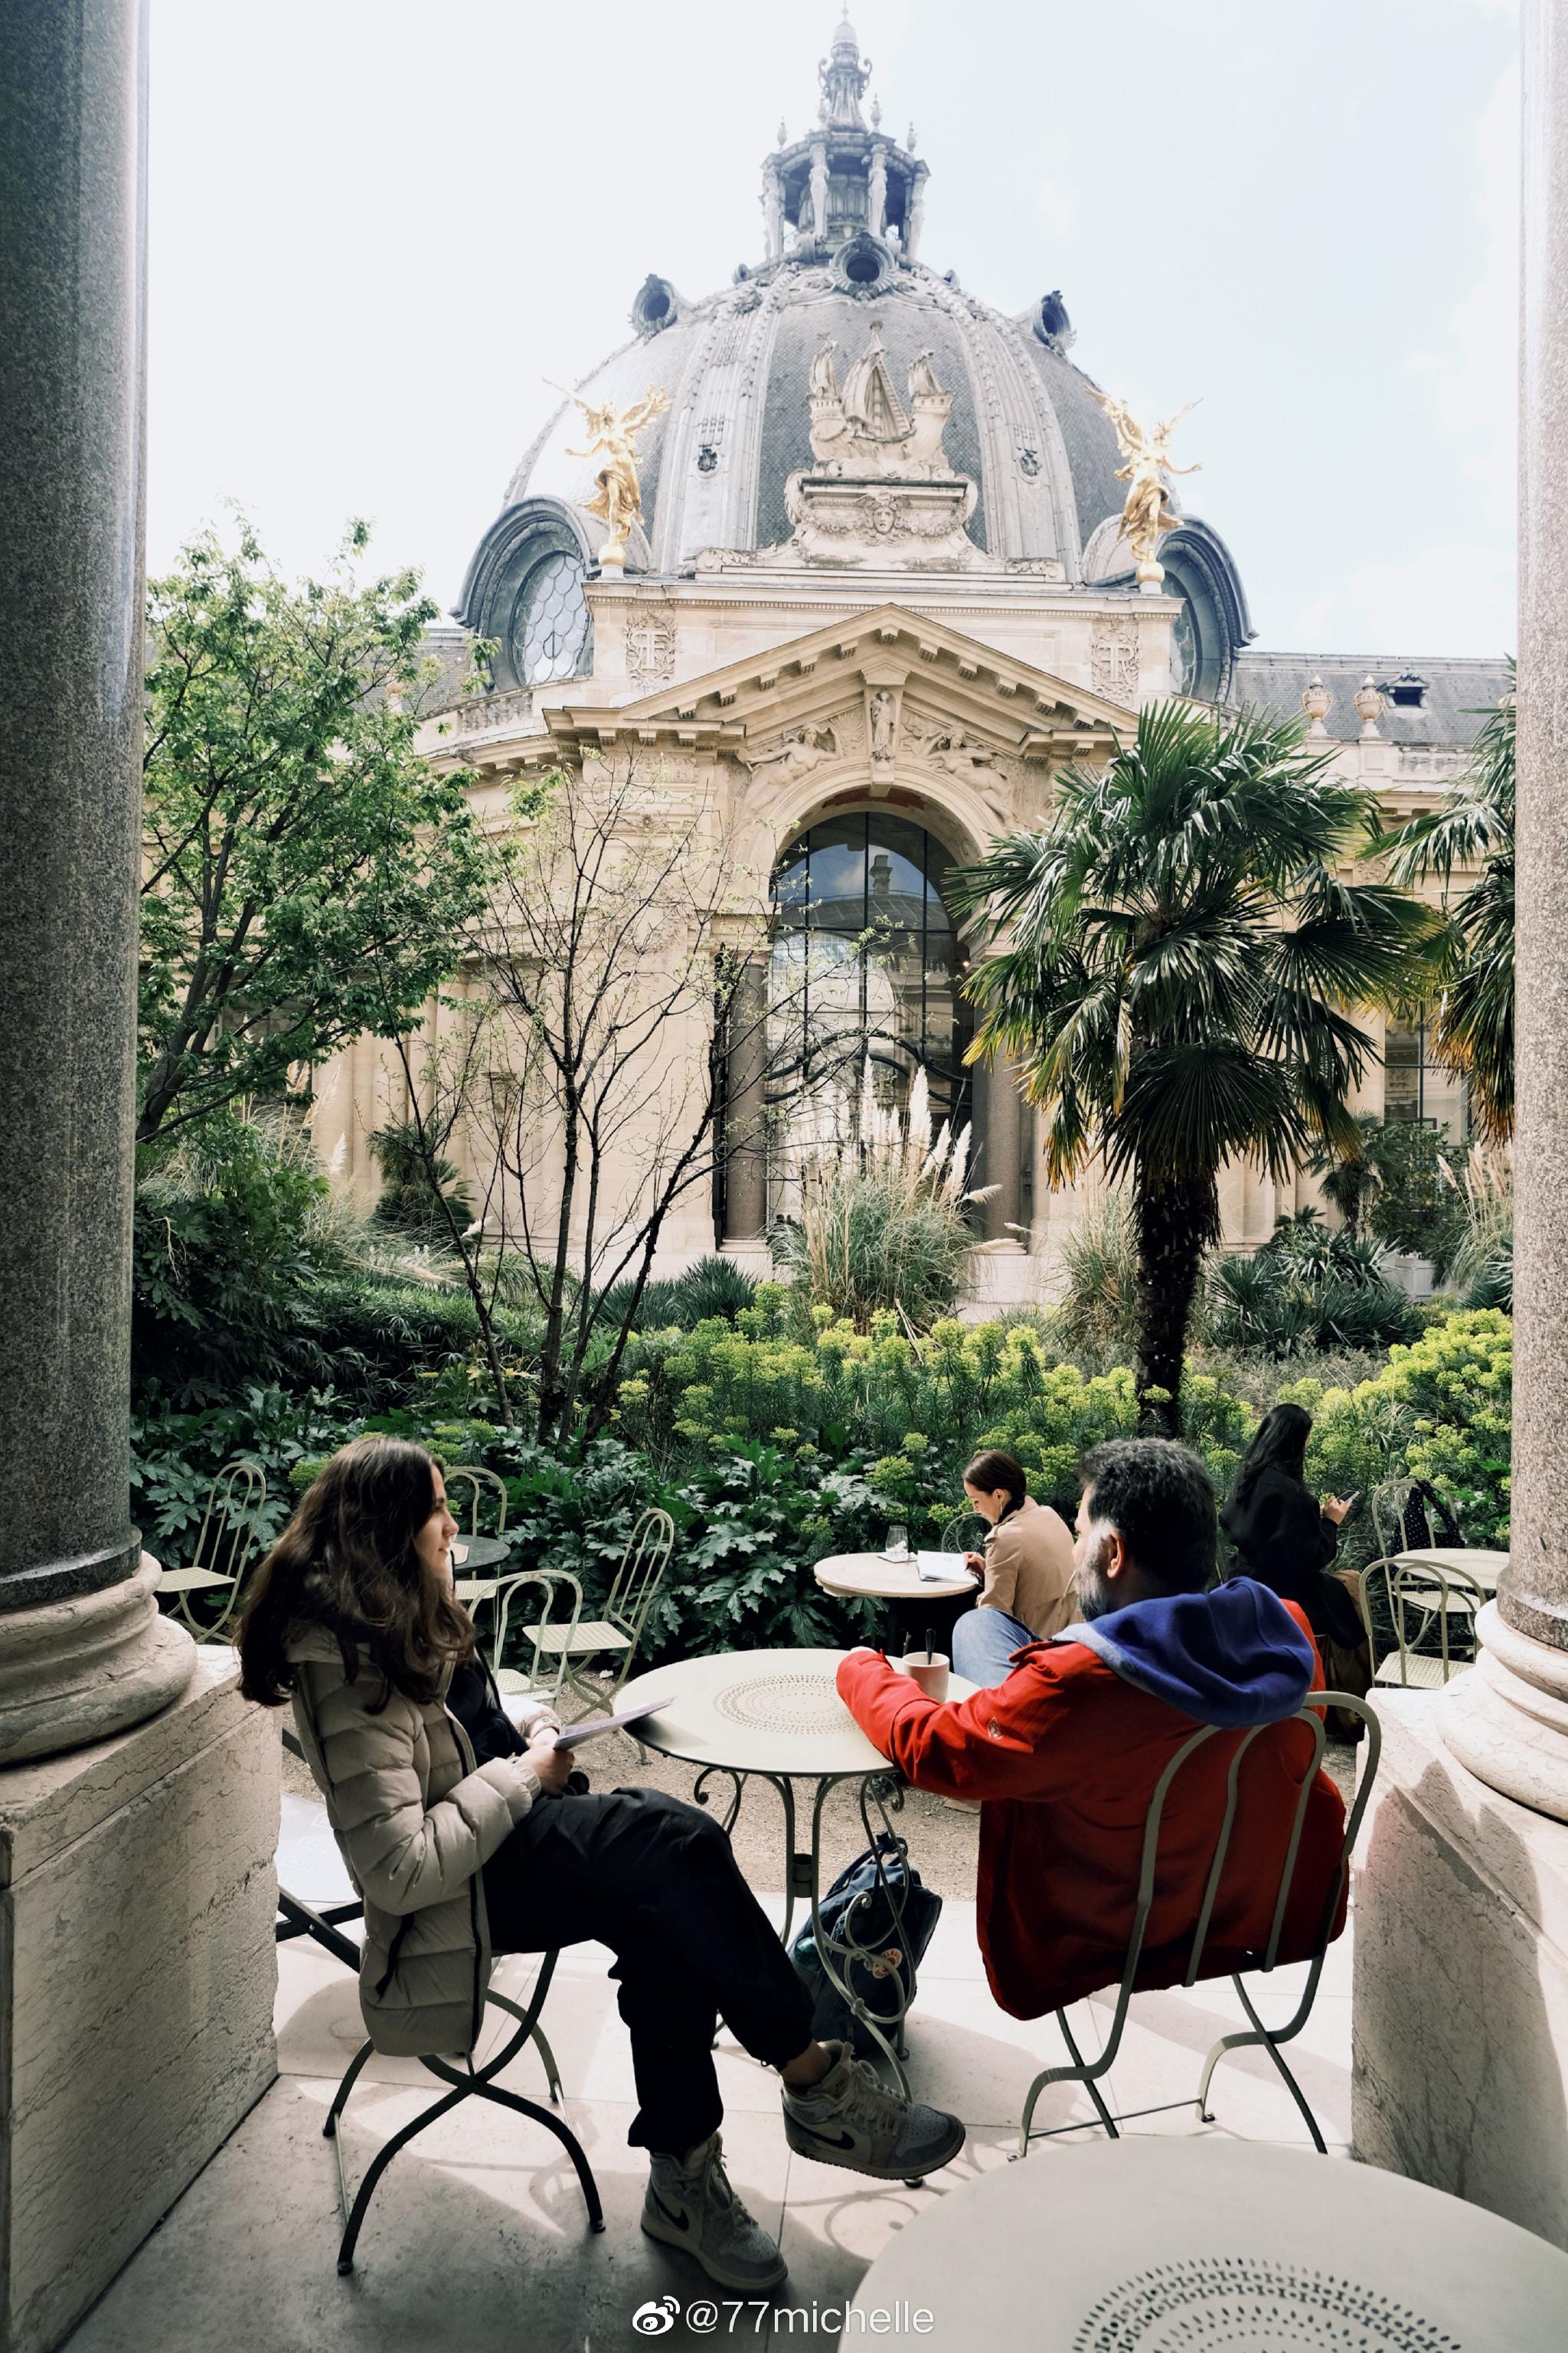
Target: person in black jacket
<point x="1282" y="1534"/>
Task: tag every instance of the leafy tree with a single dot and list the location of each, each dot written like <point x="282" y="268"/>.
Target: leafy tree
<point x="293" y="838"/>
<point x="1173" y="958"/>
<point x="1473" y="1028"/>
<point x="1418" y="1205"/>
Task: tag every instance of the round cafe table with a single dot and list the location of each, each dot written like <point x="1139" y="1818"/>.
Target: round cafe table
<point x="868" y="1577"/>
<point x="776" y="1716"/>
<point x="478" y="1552"/>
<point x="1148" y="2245"/>
<point x="1485" y="1568"/>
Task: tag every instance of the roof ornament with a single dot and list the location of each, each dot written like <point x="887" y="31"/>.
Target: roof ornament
<point x="1316" y="703"/>
<point x="612" y="440"/>
<point x="1147" y="514"/>
<point x="843" y="76"/>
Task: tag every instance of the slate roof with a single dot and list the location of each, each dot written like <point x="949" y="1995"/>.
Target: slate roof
<point x="1460" y="692"/>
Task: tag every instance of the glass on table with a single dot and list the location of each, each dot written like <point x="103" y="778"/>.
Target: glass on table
<point x="897" y="1543"/>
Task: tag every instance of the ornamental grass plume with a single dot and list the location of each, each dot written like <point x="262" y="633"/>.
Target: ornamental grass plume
<point x="883" y="1211"/>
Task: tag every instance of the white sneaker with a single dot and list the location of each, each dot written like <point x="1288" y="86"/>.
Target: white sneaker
<point x="851" y="2117"/>
<point x="692" y="2205"/>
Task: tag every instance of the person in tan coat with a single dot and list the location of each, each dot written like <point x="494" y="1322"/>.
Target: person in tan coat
<point x="1027" y="1569"/>
<point x="462" y="1839"/>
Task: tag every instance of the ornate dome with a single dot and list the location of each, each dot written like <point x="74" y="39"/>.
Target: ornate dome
<point x="842" y="216"/>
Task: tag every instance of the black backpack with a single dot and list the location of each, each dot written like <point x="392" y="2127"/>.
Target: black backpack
<point x="892" y="1915"/>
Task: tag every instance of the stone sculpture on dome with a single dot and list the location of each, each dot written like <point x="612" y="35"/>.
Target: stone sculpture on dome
<point x="863" y="428"/>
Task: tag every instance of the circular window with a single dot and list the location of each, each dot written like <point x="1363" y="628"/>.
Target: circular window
<point x="550" y="629"/>
<point x="863" y="264"/>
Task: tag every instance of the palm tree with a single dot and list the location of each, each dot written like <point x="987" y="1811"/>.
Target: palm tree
<point x="1473" y="1028"/>
<point x="1173" y="958"/>
<point x="1349" y="1178"/>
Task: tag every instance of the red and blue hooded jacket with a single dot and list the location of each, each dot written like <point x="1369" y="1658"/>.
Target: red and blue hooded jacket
<point x="1065" y="1755"/>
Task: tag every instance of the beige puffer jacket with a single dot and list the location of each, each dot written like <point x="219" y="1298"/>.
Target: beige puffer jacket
<point x="416" y="1821"/>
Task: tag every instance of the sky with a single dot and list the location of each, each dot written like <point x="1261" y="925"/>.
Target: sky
<point x="376" y="228"/>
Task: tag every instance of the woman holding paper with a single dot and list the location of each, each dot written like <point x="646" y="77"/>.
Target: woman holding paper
<point x="458" y="1830"/>
<point x="1028" y="1567"/>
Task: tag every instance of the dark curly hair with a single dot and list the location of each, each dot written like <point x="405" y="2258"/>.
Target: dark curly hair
<point x="346" y="1562"/>
<point x="1159" y="1497"/>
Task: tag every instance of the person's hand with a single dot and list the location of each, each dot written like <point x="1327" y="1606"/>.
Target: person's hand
<point x="1334" y="1507"/>
<point x="975" y="1563"/>
<point x="552" y="1765"/>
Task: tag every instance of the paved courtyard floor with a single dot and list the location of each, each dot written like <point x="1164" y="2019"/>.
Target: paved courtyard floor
<point x="478" y="2241"/>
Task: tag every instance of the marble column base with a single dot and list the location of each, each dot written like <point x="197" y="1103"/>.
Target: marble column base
<point x="77" y="1670"/>
<point x="1460" y="2022"/>
<point x="138" y="1970"/>
<point x="1507" y="1720"/>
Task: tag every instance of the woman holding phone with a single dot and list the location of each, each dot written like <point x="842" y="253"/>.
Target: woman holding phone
<point x="460" y="1833"/>
<point x="1286" y="1539"/>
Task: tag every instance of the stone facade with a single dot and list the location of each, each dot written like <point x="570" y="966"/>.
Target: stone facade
<point x="883" y="568"/>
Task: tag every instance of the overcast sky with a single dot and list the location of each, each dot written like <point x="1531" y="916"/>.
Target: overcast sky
<point x="376" y="227"/>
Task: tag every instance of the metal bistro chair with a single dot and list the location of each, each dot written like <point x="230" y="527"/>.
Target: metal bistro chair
<point x="538" y="1680"/>
<point x="222" y="1549"/>
<point x="1421" y="1600"/>
<point x="467" y="2081"/>
<point x="319" y="1898"/>
<point x="1268" y="2038"/>
<point x="618" y="1632"/>
<point x="469" y="1487"/>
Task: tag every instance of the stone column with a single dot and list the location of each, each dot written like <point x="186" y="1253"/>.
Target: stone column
<point x="1001" y="1138"/>
<point x="137" y="1957"/>
<point x="745" y="1140"/>
<point x="82" y="1649"/>
<point x="1509" y="1720"/>
<point x="1460" y="2008"/>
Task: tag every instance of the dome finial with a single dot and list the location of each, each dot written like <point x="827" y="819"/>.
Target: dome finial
<point x="843" y="75"/>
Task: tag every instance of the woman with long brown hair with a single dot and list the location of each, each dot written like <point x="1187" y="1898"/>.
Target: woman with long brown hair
<point x="460" y="1833"/>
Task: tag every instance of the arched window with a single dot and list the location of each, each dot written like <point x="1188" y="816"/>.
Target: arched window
<point x="549" y="622"/>
<point x="866" y="963"/>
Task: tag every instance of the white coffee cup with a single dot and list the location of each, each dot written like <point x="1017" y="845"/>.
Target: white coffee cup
<point x="929" y="1672"/>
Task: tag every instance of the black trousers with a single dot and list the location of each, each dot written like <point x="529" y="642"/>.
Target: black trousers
<point x="654" y="1879"/>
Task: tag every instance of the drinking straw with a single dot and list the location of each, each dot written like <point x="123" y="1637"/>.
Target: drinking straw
<point x="930" y="1644"/>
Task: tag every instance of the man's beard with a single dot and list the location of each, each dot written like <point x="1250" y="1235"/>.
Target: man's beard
<point x="1095" y="1598"/>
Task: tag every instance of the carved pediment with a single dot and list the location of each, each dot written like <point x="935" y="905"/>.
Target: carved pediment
<point x="826" y="680"/>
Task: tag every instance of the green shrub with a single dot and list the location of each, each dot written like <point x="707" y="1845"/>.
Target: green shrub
<point x="1441" y="1410"/>
<point x="222" y="1265"/>
<point x="711" y="1287"/>
<point x="1098" y="1309"/>
<point x="413" y="1191"/>
<point x="1306" y="1289"/>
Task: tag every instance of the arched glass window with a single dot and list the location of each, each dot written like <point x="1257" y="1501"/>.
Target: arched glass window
<point x="866" y="963"/>
<point x="549" y="625"/>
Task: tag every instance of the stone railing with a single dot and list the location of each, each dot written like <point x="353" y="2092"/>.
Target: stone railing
<point x="1413" y="762"/>
<point x="480" y="714"/>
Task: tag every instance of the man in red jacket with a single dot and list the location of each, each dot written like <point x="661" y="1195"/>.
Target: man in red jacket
<point x="1065" y="1753"/>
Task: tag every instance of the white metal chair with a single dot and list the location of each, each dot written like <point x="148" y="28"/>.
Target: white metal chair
<point x="539" y="1680"/>
<point x="616" y="1635"/>
<point x="315" y="1898"/>
<point x="1423" y="1601"/>
<point x="470" y="1488"/>
<point x="222" y="1549"/>
<point x="1268" y="2038"/>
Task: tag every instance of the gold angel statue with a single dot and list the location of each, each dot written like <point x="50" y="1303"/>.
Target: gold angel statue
<point x="1147" y="512"/>
<point x="612" y="440"/>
